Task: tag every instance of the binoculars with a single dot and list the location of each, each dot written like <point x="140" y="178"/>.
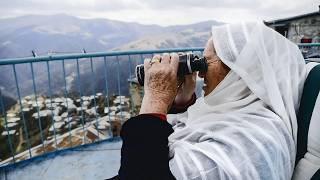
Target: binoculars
<point x="188" y="63"/>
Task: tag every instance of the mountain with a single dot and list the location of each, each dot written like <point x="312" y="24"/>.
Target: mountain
<point x="186" y="38"/>
<point x="64" y="34"/>
<point x="194" y="35"/>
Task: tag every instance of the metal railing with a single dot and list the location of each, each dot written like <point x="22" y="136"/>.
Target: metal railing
<point x="47" y="100"/>
<point x="310" y="51"/>
<point x="53" y="107"/>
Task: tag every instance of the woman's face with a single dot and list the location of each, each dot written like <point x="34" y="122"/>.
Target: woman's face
<point x="216" y="69"/>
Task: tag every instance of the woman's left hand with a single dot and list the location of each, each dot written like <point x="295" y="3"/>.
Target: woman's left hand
<point x="186" y="90"/>
<point x="161" y="83"/>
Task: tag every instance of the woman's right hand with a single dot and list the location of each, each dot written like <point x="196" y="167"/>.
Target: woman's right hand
<point x="161" y="84"/>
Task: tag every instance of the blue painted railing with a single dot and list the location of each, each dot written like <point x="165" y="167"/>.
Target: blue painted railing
<point x="93" y="55"/>
<point x="309" y="50"/>
<point x="135" y="57"/>
<point x="308" y="44"/>
<point x="131" y="56"/>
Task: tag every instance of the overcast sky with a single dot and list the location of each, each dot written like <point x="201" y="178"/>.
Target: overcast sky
<point x="163" y="12"/>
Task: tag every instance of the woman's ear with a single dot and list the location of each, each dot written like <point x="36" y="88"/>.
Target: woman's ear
<point x="224" y="68"/>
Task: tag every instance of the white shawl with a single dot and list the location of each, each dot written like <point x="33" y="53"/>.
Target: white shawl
<point x="246" y="127"/>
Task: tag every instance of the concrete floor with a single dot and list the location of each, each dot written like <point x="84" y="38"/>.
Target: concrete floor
<point x="96" y="161"/>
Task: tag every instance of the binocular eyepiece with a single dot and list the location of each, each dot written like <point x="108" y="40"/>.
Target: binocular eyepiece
<point x="188" y="63"/>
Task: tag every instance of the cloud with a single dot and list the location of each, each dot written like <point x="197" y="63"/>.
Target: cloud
<point x="88" y="5"/>
<point x="202" y="3"/>
<point x="164" y="12"/>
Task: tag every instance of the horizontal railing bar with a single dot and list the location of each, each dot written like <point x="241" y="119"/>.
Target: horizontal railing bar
<point x="114" y="53"/>
<point x="308" y="44"/>
<point x="91" y="55"/>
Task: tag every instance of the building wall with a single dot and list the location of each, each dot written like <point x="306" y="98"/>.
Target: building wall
<point x="308" y="27"/>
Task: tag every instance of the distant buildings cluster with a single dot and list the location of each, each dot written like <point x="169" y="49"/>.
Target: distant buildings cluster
<point x="54" y="123"/>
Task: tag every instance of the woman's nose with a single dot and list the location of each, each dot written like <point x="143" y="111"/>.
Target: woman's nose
<point x="201" y="74"/>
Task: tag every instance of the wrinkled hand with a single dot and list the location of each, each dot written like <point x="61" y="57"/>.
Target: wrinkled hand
<point x="161" y="84"/>
<point x="186" y="90"/>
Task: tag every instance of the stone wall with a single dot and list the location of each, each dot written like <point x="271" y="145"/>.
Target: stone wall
<point x="308" y="27"/>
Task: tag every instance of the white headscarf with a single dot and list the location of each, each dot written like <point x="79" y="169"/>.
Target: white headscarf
<point x="246" y="127"/>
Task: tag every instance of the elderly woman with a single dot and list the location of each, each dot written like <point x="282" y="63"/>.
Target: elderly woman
<point x="243" y="128"/>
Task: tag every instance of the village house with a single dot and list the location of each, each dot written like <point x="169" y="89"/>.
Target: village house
<point x="303" y="28"/>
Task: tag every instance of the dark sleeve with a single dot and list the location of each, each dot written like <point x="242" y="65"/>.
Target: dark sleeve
<point x="145" y="151"/>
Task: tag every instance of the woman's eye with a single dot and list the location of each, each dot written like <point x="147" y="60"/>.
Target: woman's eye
<point x="209" y="60"/>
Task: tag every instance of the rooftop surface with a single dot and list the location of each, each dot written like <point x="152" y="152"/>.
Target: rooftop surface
<point x="317" y="13"/>
<point x="94" y="161"/>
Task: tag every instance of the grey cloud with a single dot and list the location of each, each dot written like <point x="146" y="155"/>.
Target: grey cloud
<point x="270" y="9"/>
<point x="55" y="6"/>
<point x="203" y="3"/>
<point x="115" y="5"/>
<point x="276" y="10"/>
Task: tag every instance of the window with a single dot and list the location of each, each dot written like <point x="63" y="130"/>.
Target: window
<point x="306" y="40"/>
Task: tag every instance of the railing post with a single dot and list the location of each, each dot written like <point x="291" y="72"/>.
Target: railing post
<point x="130" y="71"/>
<point x="6" y="126"/>
<point x="142" y="62"/>
<point x="52" y="115"/>
<point x="66" y="100"/>
<point x="107" y="94"/>
<point x="81" y="100"/>
<point x="94" y="97"/>
<point x="38" y="108"/>
<point x="21" y="111"/>
<point x="119" y="88"/>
